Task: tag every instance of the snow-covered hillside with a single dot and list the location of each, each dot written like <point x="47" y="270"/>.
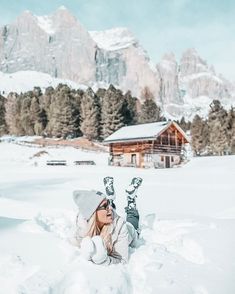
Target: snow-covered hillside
<point x="187" y="219"/>
<point x="113" y="39"/>
<point x="23" y="81"/>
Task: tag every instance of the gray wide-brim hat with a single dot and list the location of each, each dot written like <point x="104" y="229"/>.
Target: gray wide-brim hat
<point x="87" y="201"/>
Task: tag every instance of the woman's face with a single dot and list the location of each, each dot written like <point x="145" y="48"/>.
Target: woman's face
<point x="104" y="213"/>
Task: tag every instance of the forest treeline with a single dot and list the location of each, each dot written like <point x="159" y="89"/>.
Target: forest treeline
<point x="214" y="135"/>
<point x="63" y="112"/>
<point x="67" y="113"/>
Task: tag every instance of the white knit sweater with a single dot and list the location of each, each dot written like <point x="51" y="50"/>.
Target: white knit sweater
<point x="123" y="236"/>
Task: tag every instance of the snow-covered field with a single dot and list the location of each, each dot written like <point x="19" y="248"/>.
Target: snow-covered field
<point x="187" y="219"/>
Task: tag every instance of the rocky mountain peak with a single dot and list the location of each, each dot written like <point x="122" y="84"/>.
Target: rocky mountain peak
<point x="192" y="63"/>
<point x="169" y="56"/>
<point x="64" y="18"/>
<point x="168" y="63"/>
<point x="25" y="17"/>
<point x="26" y="14"/>
<point x="114" y="39"/>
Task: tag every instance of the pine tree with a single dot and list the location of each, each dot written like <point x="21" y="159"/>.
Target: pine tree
<point x="150" y="112"/>
<point x="185" y="125"/>
<point x="199" y="135"/>
<point x="25" y="115"/>
<point x="76" y="99"/>
<point x="100" y="93"/>
<point x="3" y="127"/>
<point x="231" y="130"/>
<point x="12" y="116"/>
<point x="218" y="134"/>
<point x="37" y="92"/>
<point x="45" y="102"/>
<point x="61" y="114"/>
<point x="90" y="115"/>
<point x="111" y="113"/>
<point x="129" y="109"/>
<point x="146" y="94"/>
<point x="38" y="116"/>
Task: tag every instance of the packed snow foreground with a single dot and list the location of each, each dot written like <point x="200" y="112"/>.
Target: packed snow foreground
<point x="187" y="218"/>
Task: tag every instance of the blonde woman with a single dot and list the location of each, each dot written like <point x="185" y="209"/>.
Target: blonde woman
<point x="103" y="236"/>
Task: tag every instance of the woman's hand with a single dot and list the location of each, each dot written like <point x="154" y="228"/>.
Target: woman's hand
<point x="100" y="254"/>
<point x="93" y="249"/>
<point x="87" y="248"/>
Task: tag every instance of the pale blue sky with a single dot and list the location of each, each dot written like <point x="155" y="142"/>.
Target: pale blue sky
<point x="160" y="26"/>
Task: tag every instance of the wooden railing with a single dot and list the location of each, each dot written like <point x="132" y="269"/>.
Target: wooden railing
<point x="148" y="149"/>
<point x="164" y="149"/>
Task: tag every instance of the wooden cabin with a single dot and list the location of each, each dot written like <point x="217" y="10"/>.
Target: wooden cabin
<point x="157" y="145"/>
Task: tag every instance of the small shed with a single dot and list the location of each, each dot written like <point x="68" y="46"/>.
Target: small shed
<point x="158" y="145"/>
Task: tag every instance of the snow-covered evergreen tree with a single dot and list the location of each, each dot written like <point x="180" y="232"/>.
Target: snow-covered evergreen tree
<point x="231" y="130"/>
<point x="184" y="125"/>
<point x="38" y="116"/>
<point x="111" y="113"/>
<point x="150" y="112"/>
<point x="218" y="134"/>
<point x="90" y="115"/>
<point x="61" y="123"/>
<point x="146" y="94"/>
<point x="12" y="117"/>
<point x="129" y="109"/>
<point x="25" y="115"/>
<point x="3" y="127"/>
<point x="199" y="135"/>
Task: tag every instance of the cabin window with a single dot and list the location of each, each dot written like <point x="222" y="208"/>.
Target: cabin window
<point x="165" y="140"/>
<point x="148" y="157"/>
<point x="133" y="158"/>
<point x="117" y="156"/>
<point x="162" y="158"/>
<point x="172" y="140"/>
<point x="172" y="158"/>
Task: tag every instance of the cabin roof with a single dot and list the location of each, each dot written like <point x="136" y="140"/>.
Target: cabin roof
<point x="141" y="132"/>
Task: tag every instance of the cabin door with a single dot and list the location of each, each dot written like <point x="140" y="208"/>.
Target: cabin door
<point x="167" y="162"/>
<point x="133" y="159"/>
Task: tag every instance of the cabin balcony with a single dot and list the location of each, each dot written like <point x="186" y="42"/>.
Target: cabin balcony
<point x="172" y="149"/>
<point x="150" y="149"/>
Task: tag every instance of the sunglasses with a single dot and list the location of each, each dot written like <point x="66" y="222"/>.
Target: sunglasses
<point x="105" y="206"/>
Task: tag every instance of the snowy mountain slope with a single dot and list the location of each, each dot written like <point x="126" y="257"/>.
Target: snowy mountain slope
<point x="113" y="39"/>
<point x="23" y="81"/>
<point x="187" y="219"/>
<point x="67" y="50"/>
<point x="121" y="60"/>
<point x="26" y="80"/>
<point x="60" y="46"/>
<point x="188" y="87"/>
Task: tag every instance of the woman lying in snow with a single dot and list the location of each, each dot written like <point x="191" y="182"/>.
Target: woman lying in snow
<point x="103" y="236"/>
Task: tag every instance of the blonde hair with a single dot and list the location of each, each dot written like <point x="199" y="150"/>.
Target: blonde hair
<point x="105" y="232"/>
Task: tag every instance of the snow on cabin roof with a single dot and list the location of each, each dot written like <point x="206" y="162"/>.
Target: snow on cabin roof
<point x="143" y="131"/>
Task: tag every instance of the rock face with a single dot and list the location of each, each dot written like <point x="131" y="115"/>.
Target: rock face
<point x="168" y="71"/>
<point x="191" y="63"/>
<point x="57" y="45"/>
<point x="197" y="79"/>
<point x="61" y="47"/>
<point x="190" y="86"/>
<point x="121" y="60"/>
